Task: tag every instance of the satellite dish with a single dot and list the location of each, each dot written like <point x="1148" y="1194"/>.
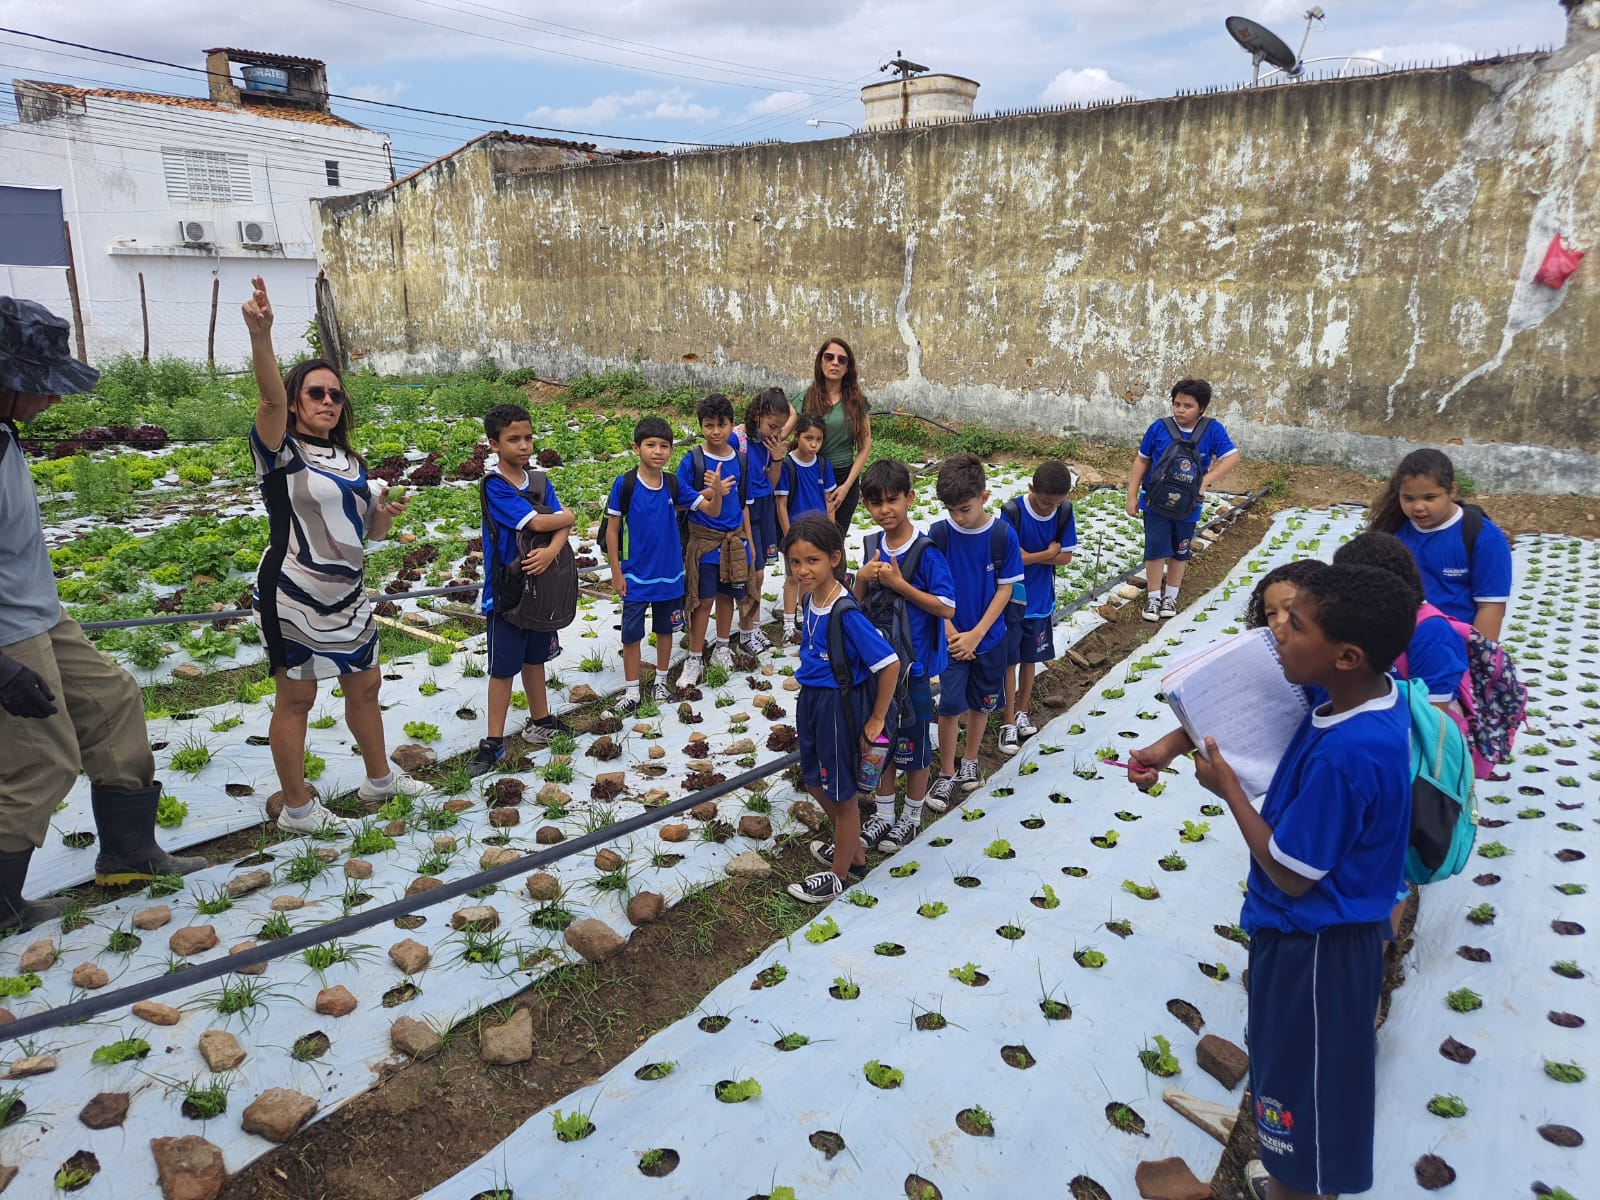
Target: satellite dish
<point x="1265" y="46"/>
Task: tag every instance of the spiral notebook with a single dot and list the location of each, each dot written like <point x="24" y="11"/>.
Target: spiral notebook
<point x="1234" y="691"/>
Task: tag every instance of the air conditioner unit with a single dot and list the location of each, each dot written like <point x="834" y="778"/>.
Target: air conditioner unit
<point x="258" y="233"/>
<point x="197" y="233"/>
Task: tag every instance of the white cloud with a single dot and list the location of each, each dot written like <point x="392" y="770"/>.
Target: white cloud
<point x="385" y="93"/>
<point x="776" y="102"/>
<point x="1419" y="52"/>
<point x="646" y="104"/>
<point x="1086" y="83"/>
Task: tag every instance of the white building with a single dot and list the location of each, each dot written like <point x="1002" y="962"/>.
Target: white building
<point x="176" y="191"/>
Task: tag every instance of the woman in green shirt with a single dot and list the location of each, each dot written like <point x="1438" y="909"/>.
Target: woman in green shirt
<point x="835" y="395"/>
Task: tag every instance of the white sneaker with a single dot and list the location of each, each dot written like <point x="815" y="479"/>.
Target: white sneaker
<point x="1008" y="739"/>
<point x="692" y="671"/>
<point x="313" y="819"/>
<point x="1152" y="607"/>
<point x="722" y="656"/>
<point x="400" y="784"/>
<point x="1025" y="726"/>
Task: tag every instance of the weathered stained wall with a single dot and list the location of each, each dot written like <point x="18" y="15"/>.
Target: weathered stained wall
<point x="1349" y="262"/>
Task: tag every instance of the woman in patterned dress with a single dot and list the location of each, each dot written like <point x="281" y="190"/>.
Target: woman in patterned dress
<point x="310" y="595"/>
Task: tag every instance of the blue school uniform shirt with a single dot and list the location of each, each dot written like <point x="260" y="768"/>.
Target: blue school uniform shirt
<point x="1437" y="656"/>
<point x="1448" y="581"/>
<point x="972" y="569"/>
<point x="866" y="649"/>
<point x="1214" y="445"/>
<point x="806" y="484"/>
<point x="930" y="651"/>
<point x="732" y="514"/>
<point x="1340" y="810"/>
<point x="759" y="459"/>
<point x="652" y="559"/>
<point x="512" y="508"/>
<point x="1040" y="578"/>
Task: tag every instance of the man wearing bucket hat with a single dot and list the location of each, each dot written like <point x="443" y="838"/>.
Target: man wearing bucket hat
<point x="64" y="707"/>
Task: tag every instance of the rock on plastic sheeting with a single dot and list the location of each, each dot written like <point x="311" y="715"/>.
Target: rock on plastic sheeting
<point x="1009" y="841"/>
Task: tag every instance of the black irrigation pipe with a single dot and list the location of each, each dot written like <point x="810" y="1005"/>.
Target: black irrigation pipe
<point x="228" y="964"/>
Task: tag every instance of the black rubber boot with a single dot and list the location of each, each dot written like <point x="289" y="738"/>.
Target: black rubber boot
<point x="15" y="912"/>
<point x="126" y="819"/>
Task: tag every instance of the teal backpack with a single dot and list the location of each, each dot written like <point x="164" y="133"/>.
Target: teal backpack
<point x="1444" y="812"/>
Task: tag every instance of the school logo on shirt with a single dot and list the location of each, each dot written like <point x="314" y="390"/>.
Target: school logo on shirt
<point x="1454" y="572"/>
<point x="1274" y="1126"/>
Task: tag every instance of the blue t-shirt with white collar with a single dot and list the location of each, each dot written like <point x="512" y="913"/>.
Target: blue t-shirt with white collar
<point x="866" y="649"/>
<point x="731" y="515"/>
<point x="1340" y="810"/>
<point x="511" y="506"/>
<point x="1449" y="582"/>
<point x="972" y="569"/>
<point x="930" y="650"/>
<point x="805" y="484"/>
<point x="1214" y="444"/>
<point x="1034" y="534"/>
<point x="652" y="559"/>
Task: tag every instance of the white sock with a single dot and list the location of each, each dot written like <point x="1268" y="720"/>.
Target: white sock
<point x="630" y="689"/>
<point x="1170" y="592"/>
<point x="1155" y="594"/>
<point x="300" y="810"/>
<point x="384" y="782"/>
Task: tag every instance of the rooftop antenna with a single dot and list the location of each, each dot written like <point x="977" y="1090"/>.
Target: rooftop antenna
<point x="903" y="66"/>
<point x="1265" y="46"/>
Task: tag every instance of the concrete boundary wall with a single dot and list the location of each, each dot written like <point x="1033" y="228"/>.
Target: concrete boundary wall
<point x="1349" y="262"/>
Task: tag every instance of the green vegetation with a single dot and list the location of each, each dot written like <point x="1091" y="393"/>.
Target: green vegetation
<point x="18" y="985"/>
<point x="821" y="931"/>
<point x="1463" y="1000"/>
<point x="120" y="1052"/>
<point x="1160" y="1061"/>
<point x="571" y="1127"/>
<point x="737" y="1091"/>
<point x="932" y="909"/>
<point x="1447" y="1106"/>
<point x="880" y="1076"/>
<point x="967" y="973"/>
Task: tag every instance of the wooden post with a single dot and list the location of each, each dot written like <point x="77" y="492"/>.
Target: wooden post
<point x="144" y="315"/>
<point x="211" y="333"/>
<point x="72" y="290"/>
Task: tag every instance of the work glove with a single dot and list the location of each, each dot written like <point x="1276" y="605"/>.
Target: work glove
<point x="23" y="691"/>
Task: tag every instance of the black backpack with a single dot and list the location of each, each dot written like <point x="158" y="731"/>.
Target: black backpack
<point x="890" y="612"/>
<point x="625" y="505"/>
<point x="1012" y="511"/>
<point x="698" y="457"/>
<point x="839" y="662"/>
<point x="1472" y="519"/>
<point x="544" y="603"/>
<point x="939" y="535"/>
<point x="1172" y="489"/>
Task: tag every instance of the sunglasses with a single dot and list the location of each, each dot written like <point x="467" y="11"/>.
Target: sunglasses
<point x="827" y="356"/>
<point x="318" y="392"/>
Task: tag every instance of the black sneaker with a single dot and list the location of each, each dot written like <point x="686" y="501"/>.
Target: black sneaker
<point x="823" y="853"/>
<point x="817" y="889"/>
<point x="873" y="830"/>
<point x="903" y="833"/>
<point x="540" y="730"/>
<point x="489" y="752"/>
<point x="942" y="794"/>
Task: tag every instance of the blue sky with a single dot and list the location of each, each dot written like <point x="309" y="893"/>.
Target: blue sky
<point x="715" y="71"/>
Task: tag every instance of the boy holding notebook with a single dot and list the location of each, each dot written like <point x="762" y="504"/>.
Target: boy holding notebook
<point x="1327" y="855"/>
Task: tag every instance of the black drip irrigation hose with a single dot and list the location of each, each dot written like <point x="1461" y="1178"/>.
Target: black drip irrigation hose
<point x="228" y="964"/>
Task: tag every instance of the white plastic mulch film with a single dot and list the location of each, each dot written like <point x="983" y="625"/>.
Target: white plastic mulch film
<point x="966" y="903"/>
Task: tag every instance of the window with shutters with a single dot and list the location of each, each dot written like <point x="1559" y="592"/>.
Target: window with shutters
<point x="333" y="171"/>
<point x="207" y="176"/>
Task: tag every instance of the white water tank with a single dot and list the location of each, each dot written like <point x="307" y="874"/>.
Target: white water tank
<point x="899" y="104"/>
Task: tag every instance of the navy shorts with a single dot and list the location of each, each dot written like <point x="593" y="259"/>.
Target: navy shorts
<point x="1313" y="1053"/>
<point x="667" y="618"/>
<point x="830" y="740"/>
<point x="975" y="685"/>
<point x="1166" y="538"/>
<point x="763" y="530"/>
<point x="913" y="748"/>
<point x="1013" y="642"/>
<point x="712" y="585"/>
<point x="511" y="649"/>
<point x="1037" y="640"/>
